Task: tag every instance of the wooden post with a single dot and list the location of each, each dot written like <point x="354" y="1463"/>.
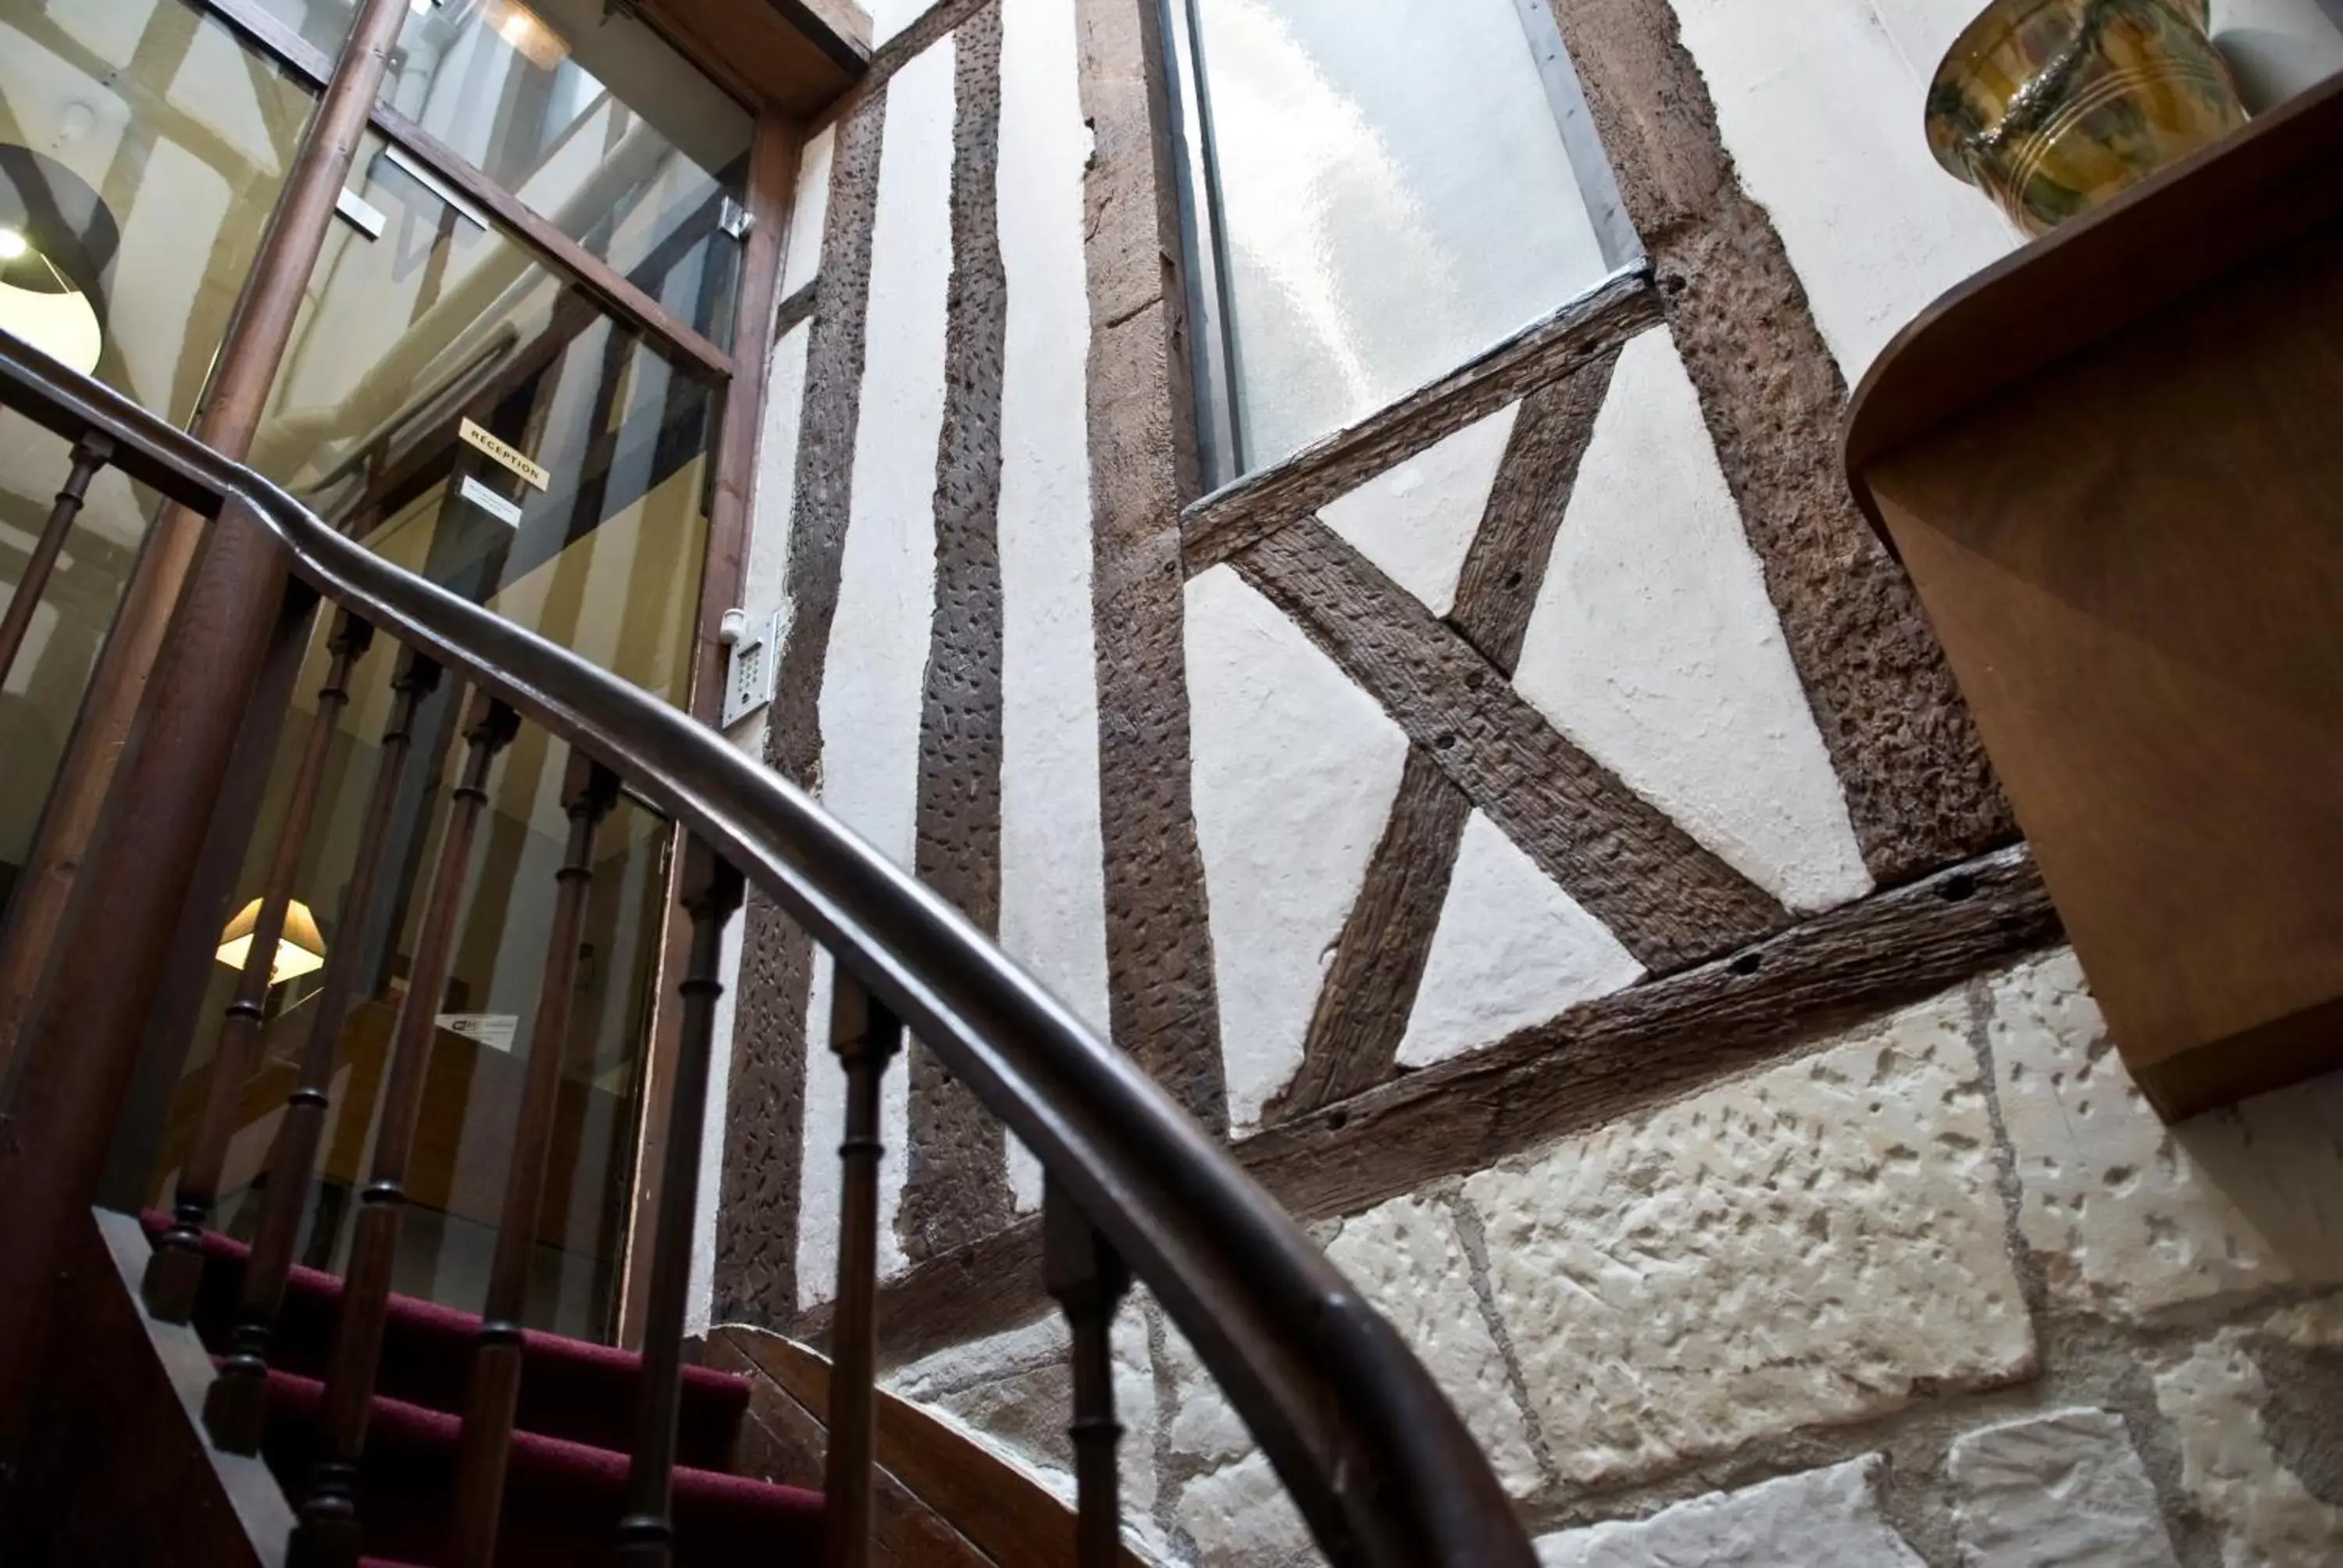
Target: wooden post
<point x="865" y="1036"/>
<point x="327" y="1533"/>
<point x="712" y="893"/>
<point x="89" y="455"/>
<point x="235" y="1406"/>
<point x="176" y="1266"/>
<point x="589" y="792"/>
<point x="1089" y="1280"/>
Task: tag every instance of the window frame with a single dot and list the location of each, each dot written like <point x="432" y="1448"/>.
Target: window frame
<point x="1217" y="398"/>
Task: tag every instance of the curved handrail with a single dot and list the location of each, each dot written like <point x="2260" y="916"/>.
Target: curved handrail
<point x="1378" y="1460"/>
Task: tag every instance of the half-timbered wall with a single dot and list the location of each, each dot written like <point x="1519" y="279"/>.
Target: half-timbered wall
<point x="1535" y="824"/>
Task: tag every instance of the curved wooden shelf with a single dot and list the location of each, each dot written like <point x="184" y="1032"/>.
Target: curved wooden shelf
<point x="2082" y="283"/>
<point x="2113" y="467"/>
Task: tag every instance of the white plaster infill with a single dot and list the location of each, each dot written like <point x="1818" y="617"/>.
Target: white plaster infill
<point x="1819" y="103"/>
<point x="1512" y="950"/>
<point x="1417" y="519"/>
<point x="1295" y="773"/>
<point x="873" y="694"/>
<point x="1052" y="851"/>
<point x="1654" y="648"/>
<point x="810" y="214"/>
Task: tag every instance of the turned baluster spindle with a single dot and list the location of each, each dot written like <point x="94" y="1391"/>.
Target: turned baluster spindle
<point x="326" y="1535"/>
<point x="711" y="892"/>
<point x="1089" y="1280"/>
<point x="176" y="1266"/>
<point x="589" y="792"/>
<point x="865" y="1036"/>
<point x="236" y="1405"/>
<point x="90" y="454"/>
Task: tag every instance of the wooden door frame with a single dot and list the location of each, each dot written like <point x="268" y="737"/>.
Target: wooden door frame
<point x="772" y="193"/>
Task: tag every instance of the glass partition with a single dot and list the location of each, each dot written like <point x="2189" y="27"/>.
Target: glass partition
<point x="142" y="148"/>
<point x="602" y="129"/>
<point x="586" y="524"/>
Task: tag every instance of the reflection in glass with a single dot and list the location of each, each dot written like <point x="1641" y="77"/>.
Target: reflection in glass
<point x="595" y="123"/>
<point x="142" y="147"/>
<point x="1397" y="197"/>
<point x="403" y="340"/>
<point x="589" y="117"/>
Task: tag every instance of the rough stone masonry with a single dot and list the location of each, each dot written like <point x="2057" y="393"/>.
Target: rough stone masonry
<point x="1940" y="1289"/>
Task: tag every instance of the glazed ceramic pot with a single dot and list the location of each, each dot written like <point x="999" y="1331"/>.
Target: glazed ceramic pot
<point x="2052" y="107"/>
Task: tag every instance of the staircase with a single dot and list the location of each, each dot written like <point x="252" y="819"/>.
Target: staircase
<point x="401" y="1432"/>
<point x="565" y="1482"/>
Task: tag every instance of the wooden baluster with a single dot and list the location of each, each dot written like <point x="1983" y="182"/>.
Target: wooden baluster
<point x="865" y="1036"/>
<point x="711" y="892"/>
<point x="90" y="454"/>
<point x="326" y="1535"/>
<point x="1089" y="1280"/>
<point x="236" y="1405"/>
<point x="588" y="794"/>
<point x="177" y="1264"/>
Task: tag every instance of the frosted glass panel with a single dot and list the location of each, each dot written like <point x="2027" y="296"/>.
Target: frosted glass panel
<point x="1396" y="197"/>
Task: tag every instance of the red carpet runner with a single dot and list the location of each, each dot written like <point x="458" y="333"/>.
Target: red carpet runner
<point x="569" y="1466"/>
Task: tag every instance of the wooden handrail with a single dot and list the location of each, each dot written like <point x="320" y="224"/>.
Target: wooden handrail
<point x="1378" y="1462"/>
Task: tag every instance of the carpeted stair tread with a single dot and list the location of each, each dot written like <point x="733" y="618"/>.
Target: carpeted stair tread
<point x="562" y="1499"/>
<point x="569" y="1389"/>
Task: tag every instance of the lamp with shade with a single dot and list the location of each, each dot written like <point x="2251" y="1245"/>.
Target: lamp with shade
<point x="300" y="950"/>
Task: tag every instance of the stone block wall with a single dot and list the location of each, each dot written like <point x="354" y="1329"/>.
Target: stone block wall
<point x="1936" y="1289"/>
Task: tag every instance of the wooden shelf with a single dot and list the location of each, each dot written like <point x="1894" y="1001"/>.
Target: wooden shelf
<point x="2113" y="464"/>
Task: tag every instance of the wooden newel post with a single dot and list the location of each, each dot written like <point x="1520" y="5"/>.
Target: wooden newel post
<point x="1089" y="1280"/>
<point x="865" y="1036"/>
<point x="326" y="1535"/>
<point x="711" y="892"/>
<point x="589" y="792"/>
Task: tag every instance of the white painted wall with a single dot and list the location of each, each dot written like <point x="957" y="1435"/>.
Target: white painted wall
<point x="1052" y="852"/>
<point x="810" y="212"/>
<point x="1295" y="773"/>
<point x="1417" y="519"/>
<point x="1654" y="648"/>
<point x="888" y="17"/>
<point x="1820" y="103"/>
<point x="871" y="693"/>
<point x="1512" y="950"/>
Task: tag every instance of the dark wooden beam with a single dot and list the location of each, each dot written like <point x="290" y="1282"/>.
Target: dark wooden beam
<point x="1669" y="900"/>
<point x="956" y="1188"/>
<point x="1370" y="987"/>
<point x="1920" y="791"/>
<point x="1585" y="331"/>
<point x="1599" y="1061"/>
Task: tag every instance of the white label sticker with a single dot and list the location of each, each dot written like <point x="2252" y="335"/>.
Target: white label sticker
<point x="488" y="500"/>
<point x="494" y="1030"/>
